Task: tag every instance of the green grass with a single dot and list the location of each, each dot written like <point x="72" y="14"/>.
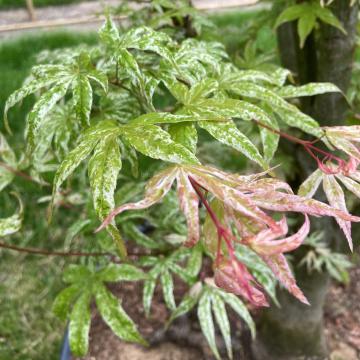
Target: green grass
<point x="28" y="284"/>
<point x="8" y="4"/>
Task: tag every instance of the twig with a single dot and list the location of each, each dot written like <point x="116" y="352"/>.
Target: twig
<point x="22" y="174"/>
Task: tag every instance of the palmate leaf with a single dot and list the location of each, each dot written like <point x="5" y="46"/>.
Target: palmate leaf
<point x="307" y="14"/>
<point x="12" y="224"/>
<point x="86" y="284"/>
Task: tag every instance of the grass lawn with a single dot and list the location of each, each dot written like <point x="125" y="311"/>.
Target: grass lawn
<point x="28" y="284"/>
<point x="8" y="4"/>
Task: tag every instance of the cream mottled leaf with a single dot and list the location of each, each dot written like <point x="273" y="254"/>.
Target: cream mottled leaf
<point x="12" y="224"/>
<point x="161" y="118"/>
<point x="63" y="301"/>
<point x="309" y="187"/>
<point x="154" y="142"/>
<point x="222" y="320"/>
<point x="350" y="184"/>
<point x="229" y="134"/>
<point x="239" y="307"/>
<point x="206" y="321"/>
<point x="148" y="293"/>
<point x="184" y="134"/>
<point x="187" y="303"/>
<point x="79" y="325"/>
<point x="309" y="89"/>
<point x="42" y="107"/>
<point x="82" y="95"/>
<point x="109" y="33"/>
<point x="167" y="285"/>
<point x="114" y="315"/>
<point x="121" y="272"/>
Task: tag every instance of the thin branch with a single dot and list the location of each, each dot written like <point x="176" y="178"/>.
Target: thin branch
<point x="21" y="174"/>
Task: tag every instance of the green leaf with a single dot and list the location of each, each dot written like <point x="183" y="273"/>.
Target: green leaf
<point x="79" y="325"/>
<point x="168" y="289"/>
<point x="194" y="263"/>
<point x="309" y="89"/>
<point x="75" y="230"/>
<point x="184" y="134"/>
<point x="187" y="304"/>
<point x="82" y="95"/>
<point x="76" y="274"/>
<point x="239" y="307"/>
<point x="328" y="17"/>
<point x="104" y="167"/>
<point x="114" y="315"/>
<point x="306" y="24"/>
<point x="148" y="293"/>
<point x="121" y="272"/>
<point x="73" y="160"/>
<point x="161" y="118"/>
<point x="146" y="39"/>
<point x="27" y="89"/>
<point x="222" y="320"/>
<point x="42" y="107"/>
<point x="229" y="134"/>
<point x="154" y="142"/>
<point x="12" y="224"/>
<point x="109" y="33"/>
<point x="62" y="303"/>
<point x="206" y="322"/>
<point x="291" y="13"/>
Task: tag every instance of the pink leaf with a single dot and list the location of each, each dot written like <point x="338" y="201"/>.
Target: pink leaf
<point x="280" y="267"/>
<point x="336" y="198"/>
<point x="264" y="242"/>
<point x="233" y="277"/>
<point x="156" y="188"/>
<point x="189" y="204"/>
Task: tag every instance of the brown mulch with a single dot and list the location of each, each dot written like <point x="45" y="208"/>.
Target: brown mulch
<point x="342" y="322"/>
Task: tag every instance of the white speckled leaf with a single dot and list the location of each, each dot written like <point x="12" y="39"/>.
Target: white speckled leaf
<point x="62" y="303"/>
<point x="222" y="320"/>
<point x="239" y="307"/>
<point x="161" y="118"/>
<point x="206" y="322"/>
<point x="310" y="89"/>
<point x="79" y="325"/>
<point x="42" y="107"/>
<point x="82" y="95"/>
<point x="184" y="134"/>
<point x="229" y="134"/>
<point x="309" y="187"/>
<point x="154" y="142"/>
<point x="167" y="285"/>
<point x="121" y="272"/>
<point x="115" y="317"/>
<point x="12" y="224"/>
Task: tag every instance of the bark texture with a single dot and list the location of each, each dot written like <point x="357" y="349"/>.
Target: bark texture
<point x="295" y="331"/>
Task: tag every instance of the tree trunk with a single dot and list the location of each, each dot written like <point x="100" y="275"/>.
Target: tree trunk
<point x="296" y="330"/>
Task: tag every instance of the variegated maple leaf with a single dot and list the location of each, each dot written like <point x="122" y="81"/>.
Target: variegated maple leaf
<point x="247" y="200"/>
